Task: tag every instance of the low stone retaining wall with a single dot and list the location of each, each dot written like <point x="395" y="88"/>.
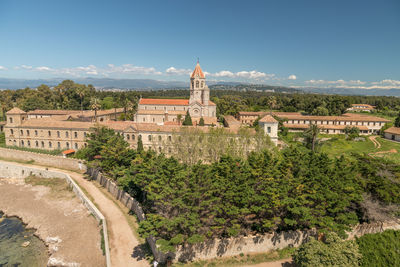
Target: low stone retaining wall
<point x="43" y="159"/>
<point x="14" y="170"/>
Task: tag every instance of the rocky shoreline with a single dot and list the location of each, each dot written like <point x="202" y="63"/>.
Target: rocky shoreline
<point x="66" y="227"/>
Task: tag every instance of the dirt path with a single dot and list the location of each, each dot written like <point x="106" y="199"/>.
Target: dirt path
<point x="281" y="263"/>
<point x="122" y="241"/>
<point x="376" y="143"/>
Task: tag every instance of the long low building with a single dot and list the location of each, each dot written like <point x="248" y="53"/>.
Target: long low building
<point x="393" y="133"/>
<point x="329" y="124"/>
<point x="68" y="132"/>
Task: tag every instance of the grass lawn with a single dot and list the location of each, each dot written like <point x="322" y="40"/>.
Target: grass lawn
<point x="340" y="146"/>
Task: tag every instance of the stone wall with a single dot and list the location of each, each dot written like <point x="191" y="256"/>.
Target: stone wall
<point x="43" y="159"/>
<point x="14" y="170"/>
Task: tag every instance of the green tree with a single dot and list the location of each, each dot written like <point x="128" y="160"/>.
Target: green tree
<point x="332" y="252"/>
<point x="95" y="105"/>
<point x="201" y="122"/>
<point x="397" y="121"/>
<point x="320" y="111"/>
<point x="311" y="136"/>
<point x="188" y="120"/>
<point x="140" y="144"/>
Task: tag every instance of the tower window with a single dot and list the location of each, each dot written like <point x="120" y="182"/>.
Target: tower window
<point x="11" y="120"/>
<point x="197" y="84"/>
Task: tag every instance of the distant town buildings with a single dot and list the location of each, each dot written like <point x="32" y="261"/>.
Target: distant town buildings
<point x="361" y="107"/>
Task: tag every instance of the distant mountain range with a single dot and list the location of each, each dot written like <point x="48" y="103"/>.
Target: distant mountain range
<point x="149" y="84"/>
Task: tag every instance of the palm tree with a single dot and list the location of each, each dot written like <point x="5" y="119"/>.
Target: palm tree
<point x="95" y="105"/>
<point x="81" y="91"/>
<point x="311" y="135"/>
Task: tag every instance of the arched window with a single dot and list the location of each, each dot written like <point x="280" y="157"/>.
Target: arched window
<point x="154" y="119"/>
<point x="67" y="144"/>
<point x="149" y="137"/>
<point x="36" y="132"/>
<point x="58" y="134"/>
<point x="128" y="137"/>
<point x="159" y="138"/>
<point x="133" y="137"/>
<point x="76" y="134"/>
<point x="202" y="84"/>
<point x="29" y="143"/>
<point x="42" y="144"/>
<point x="11" y="120"/>
<point x="58" y="145"/>
<point x="11" y="131"/>
<point x="49" y="132"/>
<point x="50" y="145"/>
<point x="76" y="145"/>
<point x="27" y="132"/>
<point x="36" y="144"/>
<point x="197" y="84"/>
<point x="22" y="143"/>
<point x="66" y="134"/>
<point x="22" y="132"/>
<point x="144" y="119"/>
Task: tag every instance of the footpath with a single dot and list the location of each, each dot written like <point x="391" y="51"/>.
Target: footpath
<point x="121" y="238"/>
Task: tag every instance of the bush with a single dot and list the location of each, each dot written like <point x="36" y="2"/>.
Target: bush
<point x="332" y="252"/>
<point x="381" y="249"/>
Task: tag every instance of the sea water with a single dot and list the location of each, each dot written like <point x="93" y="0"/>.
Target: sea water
<point x="19" y="246"/>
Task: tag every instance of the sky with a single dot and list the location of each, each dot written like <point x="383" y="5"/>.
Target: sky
<point x="308" y="43"/>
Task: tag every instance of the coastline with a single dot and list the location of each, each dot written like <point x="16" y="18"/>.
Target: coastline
<point x="59" y="222"/>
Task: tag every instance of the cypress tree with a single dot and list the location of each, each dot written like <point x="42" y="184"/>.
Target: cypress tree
<point x="140" y="144"/>
<point x="188" y="120"/>
<point x="201" y="122"/>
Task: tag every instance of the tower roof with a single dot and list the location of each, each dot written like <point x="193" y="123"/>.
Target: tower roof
<point x="15" y="111"/>
<point x="198" y="71"/>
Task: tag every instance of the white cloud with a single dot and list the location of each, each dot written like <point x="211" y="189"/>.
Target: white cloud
<point x="292" y="77"/>
<point x="129" y="68"/>
<point x="174" y="71"/>
<point x="24" y="67"/>
<point x="353" y="84"/>
<point x="223" y="73"/>
<point x="43" y="68"/>
<point x="3" y="68"/>
<point x="250" y="75"/>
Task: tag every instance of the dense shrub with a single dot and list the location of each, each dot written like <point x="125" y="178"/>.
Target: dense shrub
<point x="381" y="249"/>
<point x="332" y="252"/>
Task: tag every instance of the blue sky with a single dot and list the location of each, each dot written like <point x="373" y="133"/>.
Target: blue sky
<point x="299" y="43"/>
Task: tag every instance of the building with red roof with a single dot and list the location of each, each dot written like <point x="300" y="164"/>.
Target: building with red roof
<point x="162" y="111"/>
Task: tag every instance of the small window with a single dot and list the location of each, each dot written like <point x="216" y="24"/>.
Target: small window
<point x="67" y="144"/>
<point x="50" y="145"/>
<point x="11" y="131"/>
<point x="144" y="119"/>
<point x="42" y="143"/>
<point x="36" y="144"/>
<point x="76" y="134"/>
<point x="22" y="132"/>
<point x="133" y="137"/>
<point x="58" y="145"/>
<point x="29" y="143"/>
<point x="128" y="137"/>
<point x="159" y="138"/>
<point x="36" y="132"/>
<point x="66" y="134"/>
<point x="22" y="143"/>
<point x="49" y="132"/>
<point x="58" y="134"/>
<point x="84" y="134"/>
<point x="27" y="132"/>
<point x="269" y="129"/>
<point x="11" y="120"/>
<point x="76" y="145"/>
<point x="149" y="137"/>
<point x="169" y="138"/>
<point x="159" y="149"/>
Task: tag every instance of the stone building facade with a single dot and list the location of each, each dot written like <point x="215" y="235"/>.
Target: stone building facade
<point x="164" y="111"/>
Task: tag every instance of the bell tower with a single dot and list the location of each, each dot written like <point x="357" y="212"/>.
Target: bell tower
<point x="199" y="91"/>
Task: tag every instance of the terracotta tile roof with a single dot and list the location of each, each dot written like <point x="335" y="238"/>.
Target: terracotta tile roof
<point x="56" y="123"/>
<point x="15" y="111"/>
<point x="231" y="121"/>
<point x="207" y="120"/>
<point x="263" y="113"/>
<point x="268" y="118"/>
<point x="198" y="71"/>
<point x="172" y="102"/>
<point x="323" y="126"/>
<point x="362" y="106"/>
<point x="393" y="130"/>
<point x="69" y="151"/>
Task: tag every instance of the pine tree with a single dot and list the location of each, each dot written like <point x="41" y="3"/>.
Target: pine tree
<point x="201" y="122"/>
<point x="188" y="120"/>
